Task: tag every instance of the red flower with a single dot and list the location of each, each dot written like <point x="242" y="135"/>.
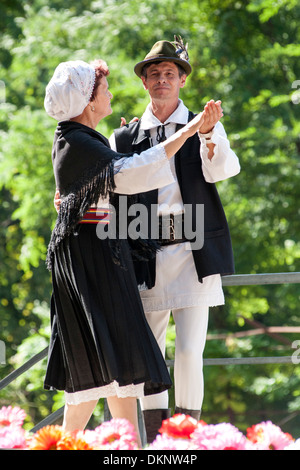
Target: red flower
<point x="179" y="426"/>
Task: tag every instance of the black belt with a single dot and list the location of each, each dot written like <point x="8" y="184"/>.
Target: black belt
<point x="171" y="229"/>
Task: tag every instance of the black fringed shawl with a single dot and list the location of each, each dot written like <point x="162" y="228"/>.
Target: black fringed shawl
<point x="83" y="164"/>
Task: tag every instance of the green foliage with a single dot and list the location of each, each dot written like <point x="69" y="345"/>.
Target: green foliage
<point x="244" y="53"/>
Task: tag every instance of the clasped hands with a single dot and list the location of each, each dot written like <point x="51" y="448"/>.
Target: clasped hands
<point x="205" y="122"/>
<point x="212" y="114"/>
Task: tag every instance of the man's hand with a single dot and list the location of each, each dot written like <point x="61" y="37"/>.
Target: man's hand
<point x="212" y="114"/>
<point x="123" y="121"/>
<point x="57" y="200"/>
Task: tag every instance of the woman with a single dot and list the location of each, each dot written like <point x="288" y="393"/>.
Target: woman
<point x="101" y="344"/>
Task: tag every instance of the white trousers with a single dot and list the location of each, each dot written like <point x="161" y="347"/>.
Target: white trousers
<point x="191" y="329"/>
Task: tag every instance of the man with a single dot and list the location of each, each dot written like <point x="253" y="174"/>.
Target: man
<point x="184" y="278"/>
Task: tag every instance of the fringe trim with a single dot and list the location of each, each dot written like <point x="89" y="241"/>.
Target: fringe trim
<point x="95" y="183"/>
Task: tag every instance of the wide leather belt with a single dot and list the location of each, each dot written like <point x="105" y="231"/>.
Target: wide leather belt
<point x="171" y="229"/>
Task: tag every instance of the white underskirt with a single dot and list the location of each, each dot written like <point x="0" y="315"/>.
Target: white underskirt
<point x="110" y="390"/>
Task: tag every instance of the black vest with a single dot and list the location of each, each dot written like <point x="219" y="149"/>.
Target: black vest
<point x="216" y="255"/>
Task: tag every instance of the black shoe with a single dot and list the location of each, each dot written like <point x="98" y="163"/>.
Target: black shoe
<point x="153" y="420"/>
<point x="193" y="413"/>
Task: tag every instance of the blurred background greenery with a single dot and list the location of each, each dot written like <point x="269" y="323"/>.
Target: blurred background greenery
<point x="244" y="53"/>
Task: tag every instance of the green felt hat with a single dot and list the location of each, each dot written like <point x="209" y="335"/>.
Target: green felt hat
<point x="168" y="52"/>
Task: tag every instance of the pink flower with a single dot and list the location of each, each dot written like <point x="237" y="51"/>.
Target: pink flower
<point x="268" y="436"/>
<point x="116" y="434"/>
<point x="11" y="416"/>
<point x="294" y="445"/>
<point x="223" y="436"/>
<point x="165" y="442"/>
<point x="12" y="437"/>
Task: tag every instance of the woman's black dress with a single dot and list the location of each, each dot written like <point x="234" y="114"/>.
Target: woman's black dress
<point x="99" y="330"/>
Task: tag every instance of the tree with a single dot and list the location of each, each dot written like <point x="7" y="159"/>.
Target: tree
<point x="244" y="53"/>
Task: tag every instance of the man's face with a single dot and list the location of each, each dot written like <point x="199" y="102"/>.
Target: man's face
<point x="163" y="81"/>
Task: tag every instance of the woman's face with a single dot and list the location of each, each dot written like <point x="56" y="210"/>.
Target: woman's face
<point x="102" y="101"/>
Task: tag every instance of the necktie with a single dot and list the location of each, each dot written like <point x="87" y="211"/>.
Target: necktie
<point x="161" y="135"/>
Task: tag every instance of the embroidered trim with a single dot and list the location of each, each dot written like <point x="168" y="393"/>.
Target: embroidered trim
<point x="96" y="215"/>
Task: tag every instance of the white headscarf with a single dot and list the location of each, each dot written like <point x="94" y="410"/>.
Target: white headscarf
<point x="69" y="90"/>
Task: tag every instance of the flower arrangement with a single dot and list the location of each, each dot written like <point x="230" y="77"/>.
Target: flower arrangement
<point x="179" y="433"/>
